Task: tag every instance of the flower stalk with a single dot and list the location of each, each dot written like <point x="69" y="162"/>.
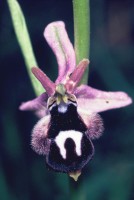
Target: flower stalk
<point x="81" y="12"/>
<point x="81" y="44"/>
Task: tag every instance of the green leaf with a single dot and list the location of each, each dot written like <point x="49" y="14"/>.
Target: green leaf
<point x="24" y="41"/>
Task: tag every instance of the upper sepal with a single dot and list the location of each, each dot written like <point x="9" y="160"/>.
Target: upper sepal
<point x="56" y="36"/>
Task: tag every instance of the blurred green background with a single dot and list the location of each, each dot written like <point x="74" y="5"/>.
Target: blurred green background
<point x="110" y="175"/>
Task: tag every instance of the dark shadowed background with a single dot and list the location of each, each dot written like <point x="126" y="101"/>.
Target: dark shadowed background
<point x="110" y="175"/>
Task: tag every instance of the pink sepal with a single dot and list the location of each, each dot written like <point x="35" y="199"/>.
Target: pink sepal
<point x="38" y="105"/>
<point x="93" y="100"/>
<point x="57" y="38"/>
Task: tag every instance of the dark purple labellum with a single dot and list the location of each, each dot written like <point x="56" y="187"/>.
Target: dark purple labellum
<point x="70" y="148"/>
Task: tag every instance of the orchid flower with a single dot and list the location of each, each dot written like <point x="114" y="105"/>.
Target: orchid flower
<point x="69" y="112"/>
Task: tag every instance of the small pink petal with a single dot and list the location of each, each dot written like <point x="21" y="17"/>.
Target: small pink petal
<point x="56" y="36"/>
<point x="40" y="143"/>
<point x="92" y="100"/>
<point x="76" y="75"/>
<point x="48" y="85"/>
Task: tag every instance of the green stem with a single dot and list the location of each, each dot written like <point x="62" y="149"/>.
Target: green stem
<point x="82" y="39"/>
<point x="24" y="41"/>
<point x="81" y="12"/>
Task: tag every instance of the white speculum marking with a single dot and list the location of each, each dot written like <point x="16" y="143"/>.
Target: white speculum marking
<point x="61" y="138"/>
<point x="62" y="108"/>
